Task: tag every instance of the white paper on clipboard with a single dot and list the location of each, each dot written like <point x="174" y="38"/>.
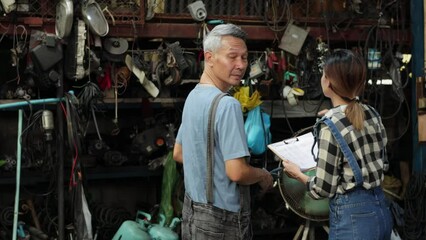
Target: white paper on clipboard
<point x="297" y="150"/>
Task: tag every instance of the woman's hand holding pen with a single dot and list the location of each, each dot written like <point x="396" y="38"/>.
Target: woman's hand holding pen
<point x="293" y="170"/>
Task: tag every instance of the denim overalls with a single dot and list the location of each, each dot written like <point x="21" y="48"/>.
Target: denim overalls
<point x="358" y="214"/>
<point x="205" y="221"/>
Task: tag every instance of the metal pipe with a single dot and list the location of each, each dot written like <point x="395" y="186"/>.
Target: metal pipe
<point x="60" y="156"/>
<point x="18" y="176"/>
<point x="25" y="103"/>
<point x="424" y="36"/>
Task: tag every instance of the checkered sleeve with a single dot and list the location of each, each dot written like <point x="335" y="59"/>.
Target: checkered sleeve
<point x="325" y="182"/>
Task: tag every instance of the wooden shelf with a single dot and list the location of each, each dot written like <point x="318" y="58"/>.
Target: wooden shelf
<point x="255" y="32"/>
<point x="140" y="100"/>
<point x="304" y="108"/>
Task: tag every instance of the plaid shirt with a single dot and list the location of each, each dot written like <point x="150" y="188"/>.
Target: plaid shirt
<point x="333" y="173"/>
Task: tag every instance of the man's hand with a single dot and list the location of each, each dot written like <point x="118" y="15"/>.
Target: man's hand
<point x="266" y="182"/>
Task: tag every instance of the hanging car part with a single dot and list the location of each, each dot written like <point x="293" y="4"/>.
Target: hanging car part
<point x="94" y="18"/>
<point x="197" y="10"/>
<point x="8" y="5"/>
<point x="64" y="18"/>
<point x="48" y="124"/>
<point x="115" y="48"/>
<point x="151" y="141"/>
<point x="81" y="37"/>
<point x="177" y="52"/>
<point x="293" y="39"/>
<point x="147" y="84"/>
<point x="47" y="54"/>
<point x="44" y="59"/>
<point x="114" y="158"/>
<point x="74" y="66"/>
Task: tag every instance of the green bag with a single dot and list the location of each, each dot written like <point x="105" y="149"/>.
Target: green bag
<point x="170" y="178"/>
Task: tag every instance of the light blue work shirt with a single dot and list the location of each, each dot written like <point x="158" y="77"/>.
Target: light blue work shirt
<point x="230" y="143"/>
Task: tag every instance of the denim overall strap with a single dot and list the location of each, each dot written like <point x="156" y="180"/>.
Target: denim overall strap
<point x="210" y="146"/>
<point x="345" y="149"/>
<point x="315" y="131"/>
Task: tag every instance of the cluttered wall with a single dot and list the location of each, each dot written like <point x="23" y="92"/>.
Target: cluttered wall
<point x="115" y="75"/>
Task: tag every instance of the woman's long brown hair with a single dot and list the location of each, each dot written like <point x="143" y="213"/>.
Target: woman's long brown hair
<point x="347" y="73"/>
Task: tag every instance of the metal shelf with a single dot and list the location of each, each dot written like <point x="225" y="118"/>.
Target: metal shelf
<point x="33" y="177"/>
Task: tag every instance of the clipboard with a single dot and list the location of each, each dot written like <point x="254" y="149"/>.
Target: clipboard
<point x="297" y="150"/>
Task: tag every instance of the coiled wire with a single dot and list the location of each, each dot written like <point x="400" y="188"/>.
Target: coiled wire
<point x="415" y="208"/>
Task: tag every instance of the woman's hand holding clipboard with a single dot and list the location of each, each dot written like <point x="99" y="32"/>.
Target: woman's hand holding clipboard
<point x="297" y="150"/>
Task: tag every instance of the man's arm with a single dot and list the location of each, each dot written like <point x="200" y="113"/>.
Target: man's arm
<point x="242" y="173"/>
<point x="177" y="153"/>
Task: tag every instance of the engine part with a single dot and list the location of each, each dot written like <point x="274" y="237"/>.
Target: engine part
<point x="174" y="78"/>
<point x="114" y="158"/>
<point x="147" y="84"/>
<point x="81" y="37"/>
<point x="46" y="56"/>
<point x="97" y="148"/>
<point x="64" y="18"/>
<point x="115" y="48"/>
<point x="74" y="66"/>
<point x="192" y="71"/>
<point x="95" y="18"/>
<point x="48" y="124"/>
<point x="177" y="52"/>
<point x="151" y="141"/>
<point x="197" y="10"/>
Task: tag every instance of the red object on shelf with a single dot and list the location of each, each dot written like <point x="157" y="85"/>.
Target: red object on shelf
<point x="33" y="21"/>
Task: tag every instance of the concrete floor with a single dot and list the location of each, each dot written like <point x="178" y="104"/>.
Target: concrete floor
<point x="319" y="234"/>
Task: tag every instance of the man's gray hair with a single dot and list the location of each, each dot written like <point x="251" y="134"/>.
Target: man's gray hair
<point x="213" y="42"/>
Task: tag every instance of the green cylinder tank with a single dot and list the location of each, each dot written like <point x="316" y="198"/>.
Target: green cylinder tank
<point x="131" y="230"/>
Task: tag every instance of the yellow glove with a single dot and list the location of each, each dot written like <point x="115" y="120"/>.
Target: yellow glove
<point x="248" y="102"/>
